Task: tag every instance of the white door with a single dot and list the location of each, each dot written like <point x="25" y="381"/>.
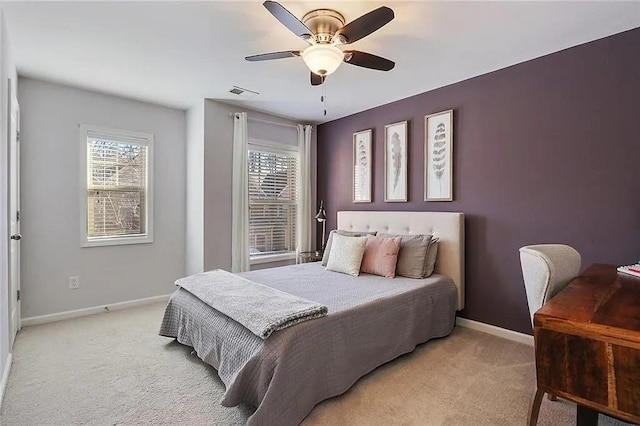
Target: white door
<point x="14" y="212"/>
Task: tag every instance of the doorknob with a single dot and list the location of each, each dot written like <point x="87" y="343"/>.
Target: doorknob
<point x="16" y="237"/>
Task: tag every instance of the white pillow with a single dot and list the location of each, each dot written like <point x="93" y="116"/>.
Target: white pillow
<point x="327" y="247"/>
<point x="346" y="254"/>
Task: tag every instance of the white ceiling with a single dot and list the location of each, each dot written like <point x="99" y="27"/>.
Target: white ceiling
<point x="177" y="53"/>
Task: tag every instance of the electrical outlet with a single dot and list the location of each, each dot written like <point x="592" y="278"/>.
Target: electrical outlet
<point x="74" y="282"/>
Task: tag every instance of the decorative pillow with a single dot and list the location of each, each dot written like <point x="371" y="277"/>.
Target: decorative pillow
<point x="412" y="256"/>
<point x="432" y="255"/>
<point x="380" y="256"/>
<point x="327" y="247"/>
<point x="346" y="254"/>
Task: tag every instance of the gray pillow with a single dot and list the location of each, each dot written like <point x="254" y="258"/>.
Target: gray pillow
<point x="346" y="254"/>
<point x="432" y="254"/>
<point x="413" y="254"/>
<point x="327" y="248"/>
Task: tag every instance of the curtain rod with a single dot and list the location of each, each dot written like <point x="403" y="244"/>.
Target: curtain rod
<point x="267" y="121"/>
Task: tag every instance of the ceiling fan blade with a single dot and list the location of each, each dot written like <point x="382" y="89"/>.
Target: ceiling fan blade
<point x="273" y="55"/>
<point x="367" y="60"/>
<point x="317" y="80"/>
<point x="365" y="25"/>
<point x="287" y="19"/>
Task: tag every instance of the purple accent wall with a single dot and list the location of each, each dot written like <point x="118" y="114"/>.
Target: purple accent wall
<point x="544" y="151"/>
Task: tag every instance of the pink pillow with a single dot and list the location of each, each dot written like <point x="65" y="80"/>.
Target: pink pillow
<point x="380" y="256"/>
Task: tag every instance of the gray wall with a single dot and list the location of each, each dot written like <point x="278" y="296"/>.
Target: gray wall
<point x="218" y="151"/>
<point x="7" y="71"/>
<point x="544" y="151"/>
<point x="51" y="248"/>
<point x="195" y="190"/>
<point x="218" y="166"/>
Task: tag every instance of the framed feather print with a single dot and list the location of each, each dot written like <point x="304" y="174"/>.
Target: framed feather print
<point x="438" y="156"/>
<point x="395" y="162"/>
<point x="362" y="166"/>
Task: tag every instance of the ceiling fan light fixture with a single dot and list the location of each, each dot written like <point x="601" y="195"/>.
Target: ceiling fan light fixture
<point x="322" y="59"/>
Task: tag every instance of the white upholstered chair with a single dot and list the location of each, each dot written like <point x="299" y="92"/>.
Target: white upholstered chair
<point x="547" y="269"/>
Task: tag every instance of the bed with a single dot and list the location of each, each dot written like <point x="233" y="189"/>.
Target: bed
<point x="371" y="320"/>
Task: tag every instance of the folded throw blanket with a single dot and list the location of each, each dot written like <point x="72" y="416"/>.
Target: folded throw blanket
<point x="259" y="308"/>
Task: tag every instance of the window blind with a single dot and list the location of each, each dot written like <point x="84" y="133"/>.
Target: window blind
<point x="273" y="198"/>
<point x="116" y="188"/>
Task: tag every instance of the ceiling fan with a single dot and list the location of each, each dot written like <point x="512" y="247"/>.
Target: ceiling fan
<point x="325" y="30"/>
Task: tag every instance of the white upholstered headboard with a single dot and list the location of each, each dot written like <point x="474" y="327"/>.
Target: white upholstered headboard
<point x="449" y="227"/>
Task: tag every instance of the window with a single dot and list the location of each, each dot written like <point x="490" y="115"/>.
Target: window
<point x="273" y="201"/>
<point x="117" y="189"/>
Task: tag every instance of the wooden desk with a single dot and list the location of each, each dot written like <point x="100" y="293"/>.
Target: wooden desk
<point x="587" y="343"/>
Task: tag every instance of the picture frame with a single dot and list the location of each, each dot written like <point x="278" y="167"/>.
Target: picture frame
<point x="438" y="156"/>
<point x="362" y="160"/>
<point x="395" y="162"/>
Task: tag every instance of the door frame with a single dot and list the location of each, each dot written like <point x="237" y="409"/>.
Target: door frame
<point x="13" y="146"/>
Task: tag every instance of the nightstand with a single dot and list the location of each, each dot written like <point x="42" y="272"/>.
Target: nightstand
<point x="309" y="256"/>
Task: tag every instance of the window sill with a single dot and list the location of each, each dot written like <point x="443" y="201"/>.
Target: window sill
<point x="116" y="241"/>
<point x="269" y="258"/>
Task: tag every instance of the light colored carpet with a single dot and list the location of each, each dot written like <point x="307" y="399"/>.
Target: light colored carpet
<point x="113" y="368"/>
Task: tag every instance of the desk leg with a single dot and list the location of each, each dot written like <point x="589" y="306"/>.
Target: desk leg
<point x="534" y="409"/>
<point x="586" y="416"/>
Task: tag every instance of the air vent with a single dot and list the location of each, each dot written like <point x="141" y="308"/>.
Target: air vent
<point x="243" y="93"/>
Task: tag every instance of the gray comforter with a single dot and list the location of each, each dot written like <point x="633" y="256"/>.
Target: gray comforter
<point x="371" y="321"/>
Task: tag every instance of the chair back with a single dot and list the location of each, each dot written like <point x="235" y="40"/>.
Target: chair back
<point x="547" y="269"/>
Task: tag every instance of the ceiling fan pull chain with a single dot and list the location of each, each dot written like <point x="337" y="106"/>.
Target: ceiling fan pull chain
<point x="323" y="98"/>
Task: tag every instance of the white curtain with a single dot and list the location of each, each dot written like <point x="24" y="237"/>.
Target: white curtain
<point x="305" y="203"/>
<point x="240" y="198"/>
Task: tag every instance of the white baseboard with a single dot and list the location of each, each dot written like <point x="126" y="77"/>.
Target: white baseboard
<point x="5" y="376"/>
<point x="496" y="331"/>
<point x="43" y="319"/>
